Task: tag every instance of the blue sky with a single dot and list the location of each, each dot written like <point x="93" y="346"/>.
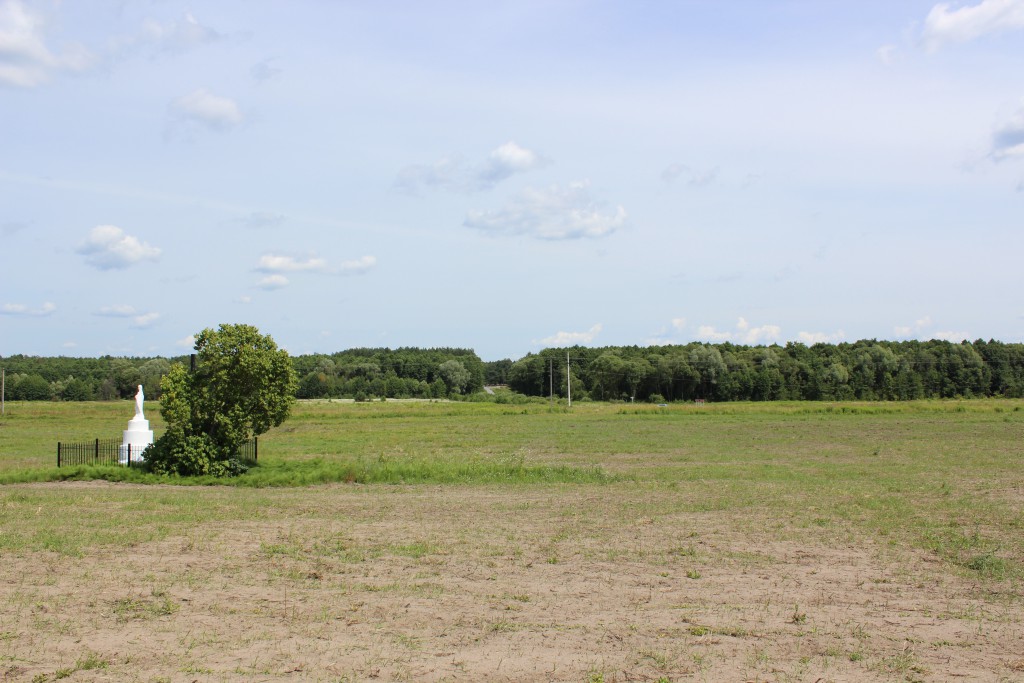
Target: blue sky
<point x="508" y="176"/>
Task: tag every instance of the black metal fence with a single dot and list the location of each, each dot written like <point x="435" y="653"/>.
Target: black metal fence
<point x="112" y="452"/>
<point x="95" y="452"/>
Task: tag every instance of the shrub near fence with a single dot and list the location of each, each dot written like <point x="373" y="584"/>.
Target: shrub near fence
<point x="108" y="452"/>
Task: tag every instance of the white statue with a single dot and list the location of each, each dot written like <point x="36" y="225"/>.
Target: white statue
<point x="138" y="435"/>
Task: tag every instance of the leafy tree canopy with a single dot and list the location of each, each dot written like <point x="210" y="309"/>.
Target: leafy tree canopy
<point x="242" y="386"/>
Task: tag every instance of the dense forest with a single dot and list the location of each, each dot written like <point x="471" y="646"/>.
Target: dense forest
<point x="865" y="370"/>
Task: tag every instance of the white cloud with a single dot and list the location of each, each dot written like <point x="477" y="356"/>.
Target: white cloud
<point x="1008" y="139"/>
<point x="916" y="328"/>
<point x="25" y="59"/>
<point x="811" y="338"/>
<point x="679" y="323"/>
<point x="762" y="334"/>
<point x="203" y="108"/>
<point x="743" y="334"/>
<point x="109" y="247"/>
<point x="944" y="25"/>
<point x="188" y="342"/>
<point x="951" y="336"/>
<point x="554" y="213"/>
<point x="277" y="263"/>
<point x="178" y="36"/>
<point x="69" y="344"/>
<point x="271" y="282"/>
<point x="452" y="174"/>
<point x="571" y="338"/>
<point x="709" y="333"/>
<point x="505" y="161"/>
<point x="358" y="266"/>
<point x="21" y="309"/>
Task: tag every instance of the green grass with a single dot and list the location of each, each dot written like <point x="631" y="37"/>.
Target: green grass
<point x="939" y="475"/>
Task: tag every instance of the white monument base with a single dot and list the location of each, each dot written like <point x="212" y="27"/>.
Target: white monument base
<point x="136" y="438"/>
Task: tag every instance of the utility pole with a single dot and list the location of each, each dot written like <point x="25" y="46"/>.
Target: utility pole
<point x="568" y="379"/>
<point x="3" y="391"/>
<point x="551" y="381"/>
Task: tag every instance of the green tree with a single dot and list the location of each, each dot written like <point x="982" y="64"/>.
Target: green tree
<point x="31" y="388"/>
<point x="454" y="375"/>
<point x="242" y="386"/>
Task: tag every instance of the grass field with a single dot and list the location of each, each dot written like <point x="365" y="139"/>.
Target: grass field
<point x="479" y="541"/>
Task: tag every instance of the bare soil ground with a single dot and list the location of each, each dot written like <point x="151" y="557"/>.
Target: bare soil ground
<point x="519" y="583"/>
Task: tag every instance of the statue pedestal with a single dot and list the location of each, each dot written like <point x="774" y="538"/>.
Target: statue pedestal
<point x="137" y="436"/>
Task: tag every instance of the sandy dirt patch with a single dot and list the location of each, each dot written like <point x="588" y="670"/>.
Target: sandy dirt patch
<point x="602" y="583"/>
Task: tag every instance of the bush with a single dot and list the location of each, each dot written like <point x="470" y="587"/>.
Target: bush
<point x="175" y="453"/>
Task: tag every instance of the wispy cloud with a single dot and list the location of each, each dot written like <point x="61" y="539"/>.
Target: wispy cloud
<point x="554" y="213"/>
<point x="22" y="310"/>
<point x="275" y="265"/>
<point x="265" y="70"/>
<point x="693" y="178"/>
<point x="887" y="54"/>
<point x="943" y="25"/>
<point x="261" y="219"/>
<point x="201" y="108"/>
<point x="139" y="320"/>
<point x="145" y="320"/>
<point x="25" y="59"/>
<point x="188" y="342"/>
<point x="571" y="338"/>
<point x="109" y="247"/>
<point x="358" y="266"/>
<point x="1008" y="138"/>
<point x="178" y="36"/>
<point x="454" y="175"/>
<point x="120" y="311"/>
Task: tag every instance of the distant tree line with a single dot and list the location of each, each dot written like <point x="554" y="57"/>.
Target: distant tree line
<point x="37" y="378"/>
<point x="864" y="370"/>
<point x="387" y="373"/>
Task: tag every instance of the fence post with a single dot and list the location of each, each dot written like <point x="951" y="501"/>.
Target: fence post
<point x="129" y="463"/>
<point x="255" y="448"/>
<point x="96" y="458"/>
<point x="58" y="454"/>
